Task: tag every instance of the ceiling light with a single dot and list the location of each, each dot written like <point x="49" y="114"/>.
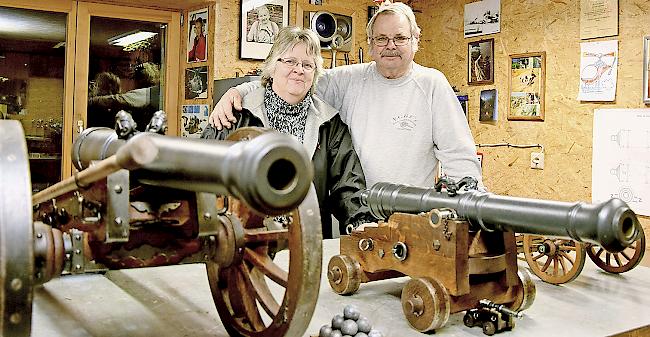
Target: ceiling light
<point x="126" y="39"/>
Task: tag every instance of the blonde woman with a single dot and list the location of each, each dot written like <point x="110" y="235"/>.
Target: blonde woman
<point x="285" y="103"/>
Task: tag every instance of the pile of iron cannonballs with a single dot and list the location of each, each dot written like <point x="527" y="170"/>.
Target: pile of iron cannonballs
<point x="350" y="324"/>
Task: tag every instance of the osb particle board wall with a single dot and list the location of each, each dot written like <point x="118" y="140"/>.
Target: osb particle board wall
<point x="227" y="62"/>
<point x="566" y="133"/>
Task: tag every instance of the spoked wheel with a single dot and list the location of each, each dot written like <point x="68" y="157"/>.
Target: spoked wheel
<point x="426" y="304"/>
<point x="618" y="262"/>
<point x="16" y="233"/>
<point x="344" y="274"/>
<point x="555" y="261"/>
<point x="242" y="290"/>
<point x="526" y="292"/>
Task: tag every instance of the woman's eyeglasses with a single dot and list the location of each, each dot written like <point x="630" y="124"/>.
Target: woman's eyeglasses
<point x="293" y="63"/>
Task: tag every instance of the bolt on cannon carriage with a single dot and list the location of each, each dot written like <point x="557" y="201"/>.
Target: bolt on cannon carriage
<point x="458" y="246"/>
<point x="145" y="200"/>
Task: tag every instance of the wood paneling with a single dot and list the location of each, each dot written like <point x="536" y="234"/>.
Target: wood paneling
<point x="566" y="133"/>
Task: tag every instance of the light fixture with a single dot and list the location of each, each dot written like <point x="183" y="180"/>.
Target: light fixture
<point x="126" y="39"/>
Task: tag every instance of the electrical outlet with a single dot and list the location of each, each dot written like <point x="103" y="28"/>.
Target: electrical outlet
<point x="537" y="160"/>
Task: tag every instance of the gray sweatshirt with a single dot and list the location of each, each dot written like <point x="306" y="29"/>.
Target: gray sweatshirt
<point x="401" y="127"/>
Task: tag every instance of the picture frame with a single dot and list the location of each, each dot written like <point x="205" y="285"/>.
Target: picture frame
<point x="480" y="62"/>
<point x="526" y="86"/>
<point x="646" y="70"/>
<point x="260" y="23"/>
<point x="197" y="36"/>
<point x="196" y="83"/>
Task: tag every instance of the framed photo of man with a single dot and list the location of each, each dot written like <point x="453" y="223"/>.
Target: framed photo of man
<point x="260" y="24"/>
<point x="526" y="86"/>
<point x="197" y="40"/>
<point x="480" y="62"/>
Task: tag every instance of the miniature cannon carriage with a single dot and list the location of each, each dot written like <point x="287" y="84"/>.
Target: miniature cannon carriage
<point x="557" y="260"/>
<point x="460" y="248"/>
<point x="152" y="200"/>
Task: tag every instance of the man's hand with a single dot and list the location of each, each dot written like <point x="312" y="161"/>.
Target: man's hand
<point x="222" y="115"/>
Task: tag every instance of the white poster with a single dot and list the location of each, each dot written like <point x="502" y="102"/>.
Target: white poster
<point x="598" y="68"/>
<point x="194" y="119"/>
<point x="621" y="148"/>
<point x="482" y="18"/>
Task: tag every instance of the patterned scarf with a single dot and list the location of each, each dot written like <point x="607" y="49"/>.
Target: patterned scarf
<point x="284" y="117"/>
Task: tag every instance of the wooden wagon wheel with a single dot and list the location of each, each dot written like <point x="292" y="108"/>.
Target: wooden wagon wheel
<point x="254" y="295"/>
<point x="555" y="261"/>
<point x="16" y="233"/>
<point x="344" y="274"/>
<point x="618" y="262"/>
<point x="525" y="292"/>
<point x="426" y="304"/>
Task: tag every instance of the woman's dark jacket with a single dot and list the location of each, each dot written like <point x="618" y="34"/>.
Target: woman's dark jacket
<point x="338" y="176"/>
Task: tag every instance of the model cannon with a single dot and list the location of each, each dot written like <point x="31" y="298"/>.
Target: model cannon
<point x="152" y="200"/>
<point x="459" y="248"/>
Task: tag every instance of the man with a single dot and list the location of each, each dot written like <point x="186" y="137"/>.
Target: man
<point x="141" y="102"/>
<point x="403" y="117"/>
<point x="197" y="53"/>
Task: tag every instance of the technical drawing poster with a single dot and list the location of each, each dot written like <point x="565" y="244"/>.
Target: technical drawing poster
<point x="598" y="68"/>
<point x="620" y="166"/>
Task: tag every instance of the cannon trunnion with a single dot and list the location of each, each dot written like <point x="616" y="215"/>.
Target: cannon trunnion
<point x="460" y="249"/>
<point x="153" y="200"/>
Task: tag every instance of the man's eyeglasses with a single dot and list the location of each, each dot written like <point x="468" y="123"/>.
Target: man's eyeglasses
<point x="381" y="41"/>
<point x="293" y="63"/>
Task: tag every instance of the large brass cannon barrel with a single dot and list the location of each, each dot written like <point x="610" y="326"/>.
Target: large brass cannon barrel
<point x="271" y="173"/>
<point x="611" y="224"/>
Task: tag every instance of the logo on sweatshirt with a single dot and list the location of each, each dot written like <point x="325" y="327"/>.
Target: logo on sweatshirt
<point x="405" y="122"/>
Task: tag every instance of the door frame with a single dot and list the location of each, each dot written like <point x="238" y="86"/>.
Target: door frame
<point x="85" y="10"/>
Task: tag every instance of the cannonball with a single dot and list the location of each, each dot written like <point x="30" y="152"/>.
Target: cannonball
<point x="375" y="333"/>
<point x="349" y="327"/>
<point x="337" y="321"/>
<point x="364" y="324"/>
<point x="325" y="331"/>
<point x="351" y="312"/>
<point x="336" y="333"/>
<point x="361" y="334"/>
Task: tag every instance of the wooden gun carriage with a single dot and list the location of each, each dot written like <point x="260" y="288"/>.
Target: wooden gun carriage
<point x="460" y="248"/>
<point x="152" y="200"/>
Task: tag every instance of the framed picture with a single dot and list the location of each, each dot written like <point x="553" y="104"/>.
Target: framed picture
<point x="526" y="86"/>
<point x="194" y="118"/>
<point x="480" y="62"/>
<point x="197" y="40"/>
<point x="482" y="18"/>
<point x="646" y="70"/>
<point x="260" y="23"/>
<point x="196" y="82"/>
<point x="488" y="111"/>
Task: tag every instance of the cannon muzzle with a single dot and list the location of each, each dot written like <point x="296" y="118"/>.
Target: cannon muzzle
<point x="271" y="173"/>
<point x="611" y="224"/>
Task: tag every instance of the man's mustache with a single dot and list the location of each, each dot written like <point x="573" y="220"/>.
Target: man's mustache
<point x="390" y="53"/>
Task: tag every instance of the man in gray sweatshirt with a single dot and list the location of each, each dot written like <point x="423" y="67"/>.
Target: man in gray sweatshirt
<point x="403" y="117"/>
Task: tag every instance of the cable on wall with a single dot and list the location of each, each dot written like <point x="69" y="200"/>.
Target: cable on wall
<point x="519" y="146"/>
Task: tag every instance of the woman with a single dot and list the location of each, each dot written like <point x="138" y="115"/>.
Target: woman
<point x="285" y="103"/>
